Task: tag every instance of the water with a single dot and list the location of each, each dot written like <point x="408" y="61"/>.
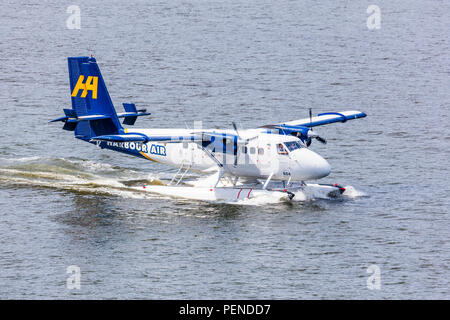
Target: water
<point x="64" y="202"/>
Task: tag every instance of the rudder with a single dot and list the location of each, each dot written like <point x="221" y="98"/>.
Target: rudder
<point x="90" y="100"/>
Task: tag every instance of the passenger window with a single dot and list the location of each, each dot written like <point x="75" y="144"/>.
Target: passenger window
<point x="252" y="150"/>
<point x="260" y="151"/>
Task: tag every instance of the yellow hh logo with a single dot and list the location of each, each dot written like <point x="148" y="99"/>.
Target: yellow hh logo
<point x="91" y="84"/>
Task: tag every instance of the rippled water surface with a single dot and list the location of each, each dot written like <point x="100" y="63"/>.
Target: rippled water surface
<point x="64" y="202"/>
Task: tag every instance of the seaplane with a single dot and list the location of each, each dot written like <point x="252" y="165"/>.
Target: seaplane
<point x="271" y="160"/>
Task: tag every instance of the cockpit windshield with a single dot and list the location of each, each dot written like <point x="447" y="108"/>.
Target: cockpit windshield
<point x="293" y="145"/>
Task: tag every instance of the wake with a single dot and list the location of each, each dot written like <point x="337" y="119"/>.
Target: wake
<point x="90" y="177"/>
<point x="74" y="175"/>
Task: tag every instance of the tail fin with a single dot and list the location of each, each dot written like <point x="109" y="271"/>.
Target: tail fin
<point x="92" y="112"/>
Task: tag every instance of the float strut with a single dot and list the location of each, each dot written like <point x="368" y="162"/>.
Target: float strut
<point x="221" y="172"/>
<point x="267" y="181"/>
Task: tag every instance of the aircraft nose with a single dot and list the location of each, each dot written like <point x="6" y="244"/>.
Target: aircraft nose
<point x="310" y="165"/>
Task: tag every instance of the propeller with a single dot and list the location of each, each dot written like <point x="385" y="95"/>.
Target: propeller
<point x="312" y="134"/>
<point x="235" y="128"/>
<point x="310" y="118"/>
<point x="321" y="140"/>
<point x="239" y="137"/>
<point x="242" y="140"/>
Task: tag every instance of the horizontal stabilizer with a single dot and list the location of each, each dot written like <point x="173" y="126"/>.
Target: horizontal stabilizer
<point x="69" y="114"/>
<point x="71" y="119"/>
<point x="59" y="119"/>
<point x="131" y="113"/>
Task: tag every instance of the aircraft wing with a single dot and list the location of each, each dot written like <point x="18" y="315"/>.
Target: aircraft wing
<point x="212" y="136"/>
<point x="198" y="137"/>
<point x="324" y="118"/>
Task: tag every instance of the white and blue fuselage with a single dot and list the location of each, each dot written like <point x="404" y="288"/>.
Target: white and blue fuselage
<point x="277" y="151"/>
<point x="280" y="156"/>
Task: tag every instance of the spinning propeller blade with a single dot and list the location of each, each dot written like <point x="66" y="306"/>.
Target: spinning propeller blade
<point x="322" y="140"/>
<point x="240" y="139"/>
<point x="310" y="118"/>
<point x="312" y="134"/>
<point x="235" y="128"/>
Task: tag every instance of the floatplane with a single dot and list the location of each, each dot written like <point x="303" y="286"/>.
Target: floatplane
<point x="273" y="159"/>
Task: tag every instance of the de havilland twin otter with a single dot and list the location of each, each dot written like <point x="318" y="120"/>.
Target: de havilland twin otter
<point x="269" y="160"/>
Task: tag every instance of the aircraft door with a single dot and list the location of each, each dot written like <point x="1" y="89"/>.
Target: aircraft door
<point x="187" y="152"/>
<point x="244" y="163"/>
<point x="284" y="167"/>
<point x="265" y="158"/>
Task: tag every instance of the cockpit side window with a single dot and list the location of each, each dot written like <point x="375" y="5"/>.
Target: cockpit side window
<point x="281" y="149"/>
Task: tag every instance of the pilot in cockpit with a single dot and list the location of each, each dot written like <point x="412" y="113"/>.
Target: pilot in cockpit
<point x="281" y="149"/>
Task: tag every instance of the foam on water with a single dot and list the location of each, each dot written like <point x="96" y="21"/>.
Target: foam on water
<point x="75" y="175"/>
<point x="86" y="176"/>
<point x="351" y="192"/>
<point x="302" y="196"/>
<point x="260" y="200"/>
